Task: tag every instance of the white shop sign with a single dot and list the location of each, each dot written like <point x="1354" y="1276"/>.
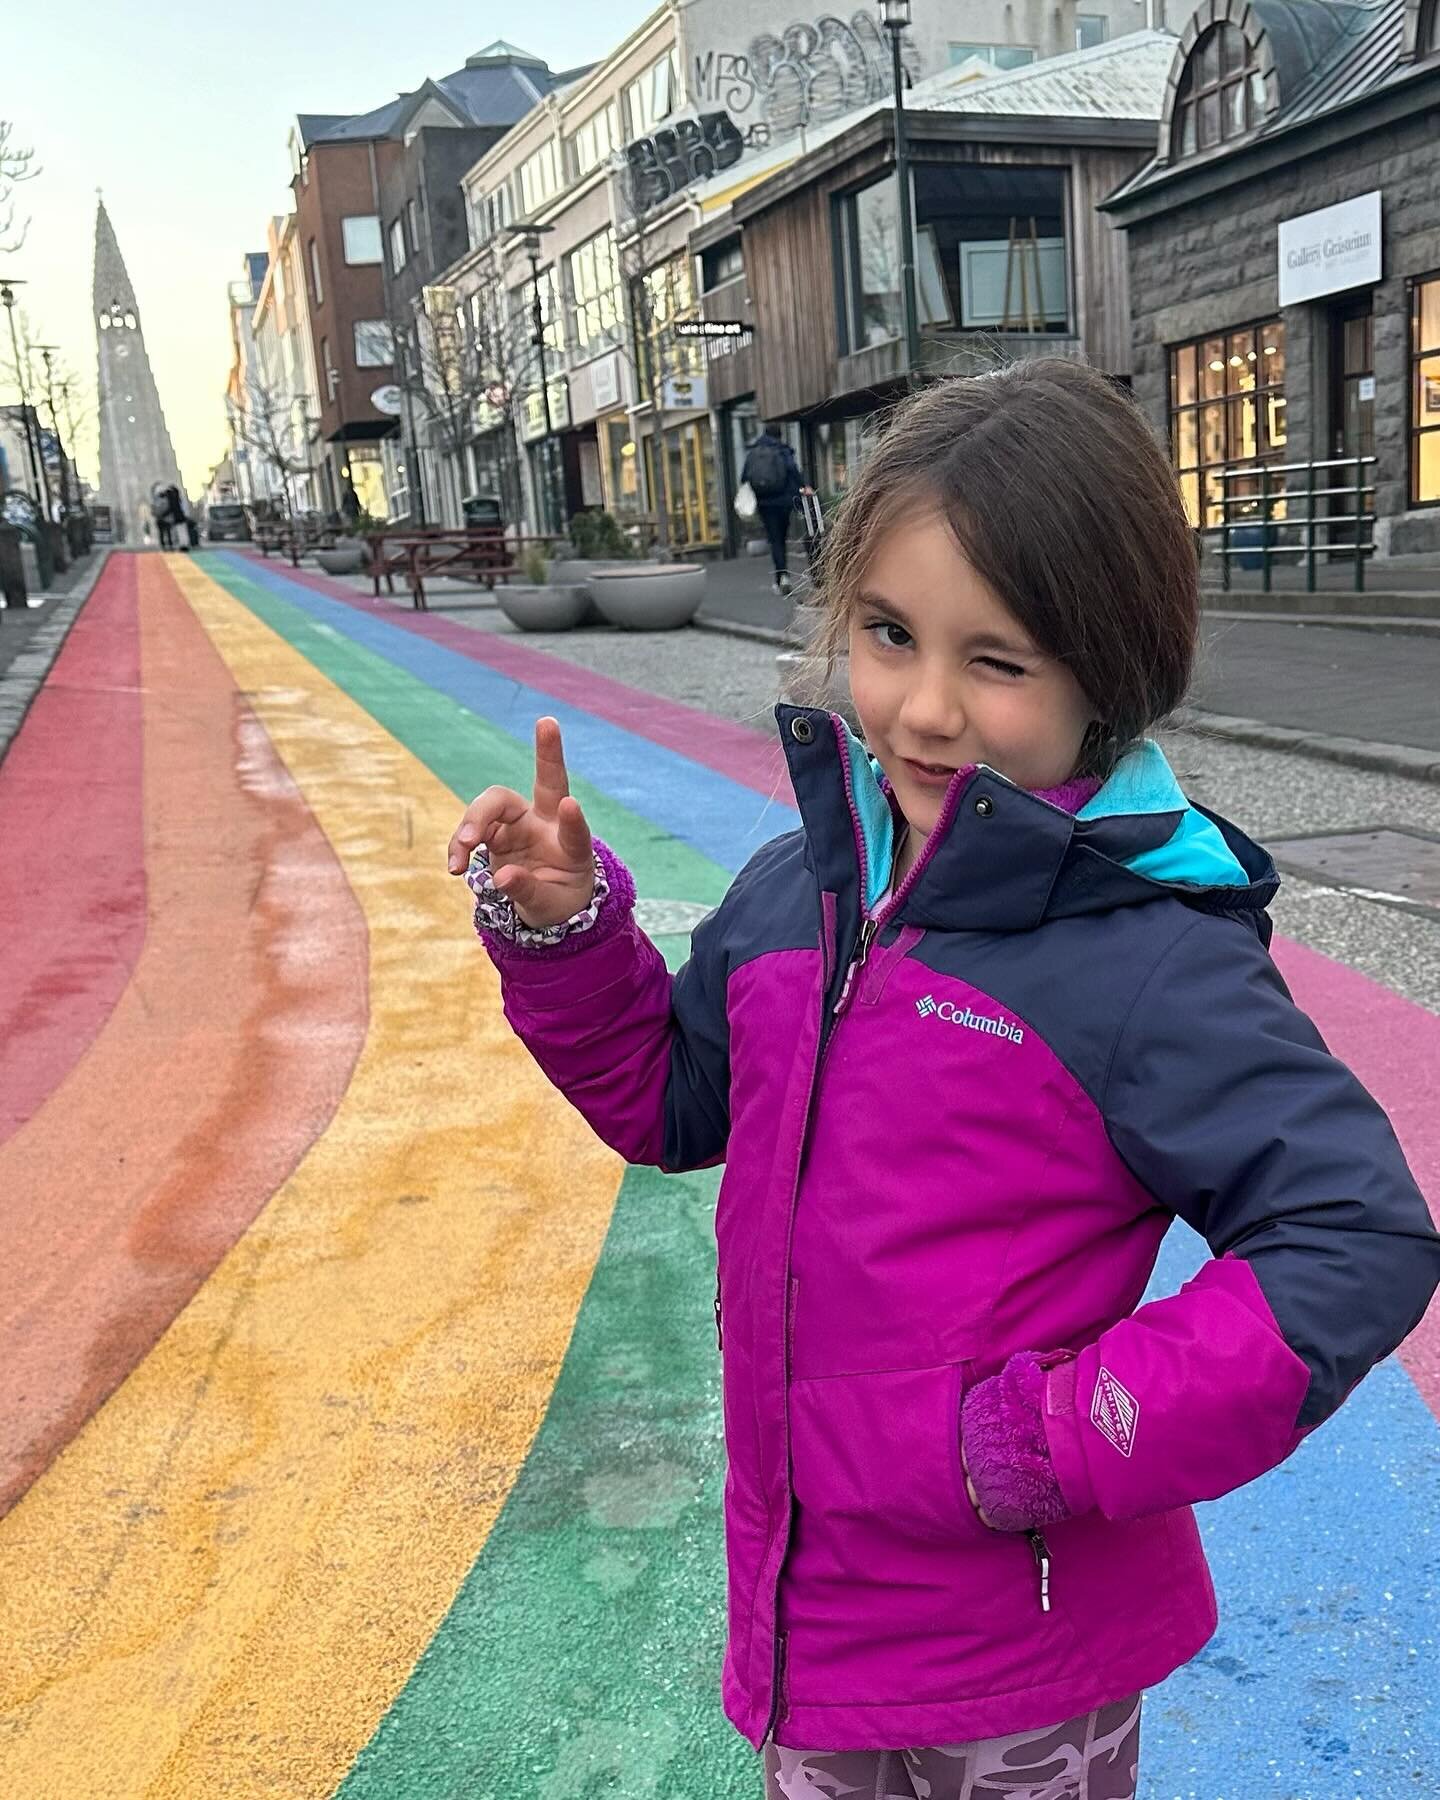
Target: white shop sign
<point x="605" y="381"/>
<point x="1328" y="251"/>
<point x="683" y="393"/>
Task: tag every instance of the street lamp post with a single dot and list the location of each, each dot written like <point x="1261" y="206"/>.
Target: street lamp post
<point x="895" y="16"/>
<point x="37" y="476"/>
<point x="531" y="245"/>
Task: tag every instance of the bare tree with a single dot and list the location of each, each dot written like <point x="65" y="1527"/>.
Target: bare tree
<point x="280" y="429"/>
<point x="16" y="165"/>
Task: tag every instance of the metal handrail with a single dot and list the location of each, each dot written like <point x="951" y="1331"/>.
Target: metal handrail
<point x="1265" y="500"/>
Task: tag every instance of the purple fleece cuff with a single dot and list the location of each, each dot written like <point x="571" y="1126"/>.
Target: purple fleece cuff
<point x="610" y="919"/>
<point x="1003" y="1433"/>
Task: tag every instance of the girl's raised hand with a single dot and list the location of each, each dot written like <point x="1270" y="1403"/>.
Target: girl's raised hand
<point x="541" y="856"/>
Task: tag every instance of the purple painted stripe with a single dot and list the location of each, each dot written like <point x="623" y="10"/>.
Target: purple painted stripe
<point x="754" y="759"/>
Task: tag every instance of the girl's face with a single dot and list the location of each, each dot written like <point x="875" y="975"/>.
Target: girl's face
<point x="943" y="675"/>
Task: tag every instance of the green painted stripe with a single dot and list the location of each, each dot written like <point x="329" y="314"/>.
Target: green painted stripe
<point x="582" y="1654"/>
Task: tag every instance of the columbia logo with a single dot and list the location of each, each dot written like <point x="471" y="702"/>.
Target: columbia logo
<point x="950" y="1014"/>
<point x="1115" y="1412"/>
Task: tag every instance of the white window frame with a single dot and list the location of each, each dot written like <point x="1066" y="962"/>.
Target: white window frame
<point x="398" y="254"/>
<point x="364" y="224"/>
<point x="373" y="328"/>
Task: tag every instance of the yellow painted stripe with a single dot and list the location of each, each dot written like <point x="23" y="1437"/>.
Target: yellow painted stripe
<point x="221" y="1585"/>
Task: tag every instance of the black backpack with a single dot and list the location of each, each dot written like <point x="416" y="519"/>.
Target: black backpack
<point x="767" y="470"/>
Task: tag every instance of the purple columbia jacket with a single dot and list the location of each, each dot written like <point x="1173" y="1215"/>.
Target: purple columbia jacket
<point x="955" y="1130"/>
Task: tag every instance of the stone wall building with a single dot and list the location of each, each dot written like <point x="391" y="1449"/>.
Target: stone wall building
<point x="1284" y="258"/>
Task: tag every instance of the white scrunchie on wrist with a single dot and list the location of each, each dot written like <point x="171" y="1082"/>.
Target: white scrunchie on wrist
<point x="495" y="911"/>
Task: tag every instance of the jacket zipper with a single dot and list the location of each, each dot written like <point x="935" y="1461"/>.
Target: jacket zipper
<point x="1041" y="1552"/>
<point x="870" y="926"/>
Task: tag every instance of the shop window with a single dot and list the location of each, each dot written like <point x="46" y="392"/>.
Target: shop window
<point x="361" y="235"/>
<point x="660" y="297"/>
<point x="1221" y="95"/>
<point x="1227" y="407"/>
<point x="1425" y="392"/>
<point x="692" y="487"/>
<point x="991" y="253"/>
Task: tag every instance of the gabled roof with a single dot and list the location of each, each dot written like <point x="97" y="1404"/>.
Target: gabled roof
<point x="1121" y="79"/>
<point x="1323" y="55"/>
<point x="496" y="87"/>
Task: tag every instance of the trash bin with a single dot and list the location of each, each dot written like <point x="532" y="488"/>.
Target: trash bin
<point x="12" y="568"/>
<point x="482" y="510"/>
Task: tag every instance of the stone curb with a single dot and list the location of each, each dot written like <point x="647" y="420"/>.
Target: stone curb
<point x="1355" y="753"/>
<point x="756" y="634"/>
<point x="1395" y="626"/>
<point x="26" y="674"/>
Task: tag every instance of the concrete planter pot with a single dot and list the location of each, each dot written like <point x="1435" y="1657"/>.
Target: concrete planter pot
<point x="558" y="607"/>
<point x="344" y="559"/>
<point x="649" y="596"/>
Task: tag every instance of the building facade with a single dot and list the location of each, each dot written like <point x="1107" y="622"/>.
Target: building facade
<point x="1284" y="258"/>
<point x="341" y="168"/>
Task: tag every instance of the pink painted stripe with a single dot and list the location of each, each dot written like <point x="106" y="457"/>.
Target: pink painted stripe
<point x="1393" y="1045"/>
<point x="754" y="759"/>
<point x="72" y="878"/>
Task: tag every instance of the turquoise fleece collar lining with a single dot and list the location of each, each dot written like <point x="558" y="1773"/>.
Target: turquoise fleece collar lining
<point x="1143" y="782"/>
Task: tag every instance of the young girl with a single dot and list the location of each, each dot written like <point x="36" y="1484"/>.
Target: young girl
<point x="967" y="1042"/>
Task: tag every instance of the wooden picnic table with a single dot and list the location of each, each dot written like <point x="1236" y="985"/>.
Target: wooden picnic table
<point x="291" y="536"/>
<point x="416" y="552"/>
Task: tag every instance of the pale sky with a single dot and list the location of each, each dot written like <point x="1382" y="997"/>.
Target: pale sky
<point x="183" y="122"/>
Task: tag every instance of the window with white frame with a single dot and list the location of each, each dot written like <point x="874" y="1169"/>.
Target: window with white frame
<point x="412" y="222"/>
<point x="397" y="245"/>
<point x="317" y="288"/>
<point x="374" y="344"/>
<point x="654" y="95"/>
<point x="540" y="177"/>
<point x="595" y="292"/>
<point x="361" y="233"/>
<point x="595" y="140"/>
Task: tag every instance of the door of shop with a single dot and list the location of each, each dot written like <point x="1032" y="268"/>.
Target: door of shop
<point x="1352" y="407"/>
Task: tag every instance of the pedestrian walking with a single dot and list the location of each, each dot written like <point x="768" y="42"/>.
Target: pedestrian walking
<point x="967" y="1042"/>
<point x="774" y="477"/>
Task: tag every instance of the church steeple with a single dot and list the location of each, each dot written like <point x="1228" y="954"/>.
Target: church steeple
<point x="136" y="454"/>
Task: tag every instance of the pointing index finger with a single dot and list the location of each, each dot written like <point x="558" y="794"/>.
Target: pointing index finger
<point x="552" y="782"/>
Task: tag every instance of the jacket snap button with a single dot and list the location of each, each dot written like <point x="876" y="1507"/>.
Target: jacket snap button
<point x="984" y="806"/>
<point x="801" y="730"/>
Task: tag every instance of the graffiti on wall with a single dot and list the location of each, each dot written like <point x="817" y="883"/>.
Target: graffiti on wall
<point x="673" y="156"/>
<point x="806" y="74"/>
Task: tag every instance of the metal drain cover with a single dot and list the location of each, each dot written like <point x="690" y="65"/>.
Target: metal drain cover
<point x="1390" y="864"/>
<point x="666" y="918"/>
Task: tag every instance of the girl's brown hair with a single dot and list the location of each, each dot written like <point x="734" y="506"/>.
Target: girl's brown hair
<point x="1058" y="493"/>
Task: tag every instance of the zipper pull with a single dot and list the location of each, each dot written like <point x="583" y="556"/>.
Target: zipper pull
<point x="1041" y="1551"/>
<point x="719" y="1332"/>
<point x="862" y="950"/>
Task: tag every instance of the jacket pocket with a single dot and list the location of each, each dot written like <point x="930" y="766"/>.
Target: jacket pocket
<point x="880" y="1452"/>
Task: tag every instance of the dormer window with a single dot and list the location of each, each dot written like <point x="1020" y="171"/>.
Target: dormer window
<point x="1221" y="95"/>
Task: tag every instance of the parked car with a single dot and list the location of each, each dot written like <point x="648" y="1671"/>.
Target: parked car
<point x="227" y="519"/>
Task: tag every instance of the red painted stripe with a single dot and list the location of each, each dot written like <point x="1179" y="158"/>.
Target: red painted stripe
<point x="1393" y="1045"/>
<point x="222" y="1062"/>
<point x="753" y="759"/>
<point x="72" y="876"/>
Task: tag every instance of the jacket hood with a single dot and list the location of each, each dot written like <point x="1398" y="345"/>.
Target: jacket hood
<point x="1002" y="858"/>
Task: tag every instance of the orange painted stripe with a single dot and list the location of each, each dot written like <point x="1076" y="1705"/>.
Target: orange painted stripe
<point x="223" y="1060"/>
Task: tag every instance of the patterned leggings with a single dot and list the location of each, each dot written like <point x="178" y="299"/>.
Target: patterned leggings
<point x="1092" y="1758"/>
